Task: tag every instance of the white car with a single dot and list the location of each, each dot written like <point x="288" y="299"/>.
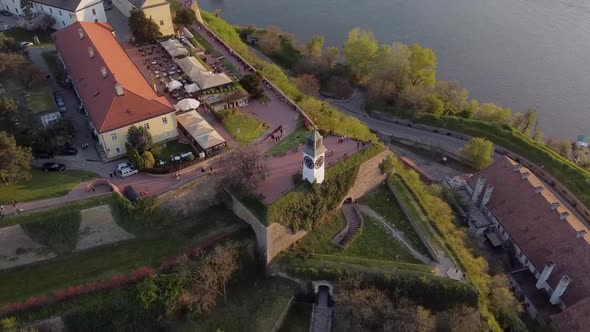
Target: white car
<point x="26" y="44"/>
<point x="123" y="165"/>
<point x="6" y="27"/>
<point x="128" y="171"/>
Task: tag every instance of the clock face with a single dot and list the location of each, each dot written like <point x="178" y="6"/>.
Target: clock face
<point x="308" y="162"/>
<point x="319" y="162"/>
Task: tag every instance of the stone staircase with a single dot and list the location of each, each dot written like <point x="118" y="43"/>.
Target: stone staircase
<point x="354" y="222"/>
<point x="321" y="315"/>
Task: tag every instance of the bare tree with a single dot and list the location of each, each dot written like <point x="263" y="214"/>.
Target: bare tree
<point x="308" y="84"/>
<point x="270" y="41"/>
<point x="207" y="278"/>
<point x="244" y="169"/>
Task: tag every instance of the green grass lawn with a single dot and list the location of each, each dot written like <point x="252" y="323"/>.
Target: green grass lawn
<point x="298" y="318"/>
<point x="19" y="34"/>
<point x="104" y="262"/>
<point x="38" y="99"/>
<point x="243" y="127"/>
<point x="168" y="149"/>
<point x="383" y="202"/>
<point x="43" y="185"/>
<point x="251" y="306"/>
<point x="373" y="242"/>
<point x="288" y="143"/>
<point x="56" y="231"/>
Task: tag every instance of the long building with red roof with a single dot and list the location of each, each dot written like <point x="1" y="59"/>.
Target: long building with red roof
<point x="549" y="241"/>
<point x="112" y="90"/>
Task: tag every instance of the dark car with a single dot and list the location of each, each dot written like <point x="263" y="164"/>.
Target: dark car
<point x="130" y="193"/>
<point x="53" y="167"/>
<point x="43" y="155"/>
<point x="68" y="151"/>
<point x="5" y="13"/>
<point x="59" y="100"/>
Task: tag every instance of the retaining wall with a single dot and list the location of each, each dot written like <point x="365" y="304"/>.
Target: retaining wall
<point x="369" y="176"/>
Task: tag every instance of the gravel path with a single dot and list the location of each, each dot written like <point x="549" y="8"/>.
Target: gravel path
<point x="395" y="233"/>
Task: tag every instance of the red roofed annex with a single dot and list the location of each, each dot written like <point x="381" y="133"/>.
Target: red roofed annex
<point x="111" y="88"/>
<point x="548" y="240"/>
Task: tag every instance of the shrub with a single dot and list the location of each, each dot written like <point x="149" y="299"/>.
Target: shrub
<point x="386" y="166"/>
<point x="148" y="159"/>
<point x="57" y="231"/>
<point x="142" y="212"/>
<point x="135" y="158"/>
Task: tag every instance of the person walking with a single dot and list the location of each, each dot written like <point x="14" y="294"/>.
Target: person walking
<point x="14" y="202"/>
<point x="111" y="174"/>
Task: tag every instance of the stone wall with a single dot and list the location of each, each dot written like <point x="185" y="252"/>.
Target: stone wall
<point x="280" y="238"/>
<point x="369" y="176"/>
<point x="259" y="229"/>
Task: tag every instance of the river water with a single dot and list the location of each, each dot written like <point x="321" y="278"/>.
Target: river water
<point x="518" y="53"/>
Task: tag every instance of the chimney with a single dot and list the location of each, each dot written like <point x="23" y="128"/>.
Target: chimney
<point x="539" y="189"/>
<point x="81" y="33"/>
<point x="545" y="274"/>
<point x="525" y="175"/>
<point x="103" y="71"/>
<point x="119" y="89"/>
<point x="581" y="233"/>
<point x="555" y="205"/>
<point x="564" y="215"/>
<point x="561" y="287"/>
<point x="517" y="167"/>
<point x="487" y="195"/>
<point x="478" y="187"/>
<point x="91" y="52"/>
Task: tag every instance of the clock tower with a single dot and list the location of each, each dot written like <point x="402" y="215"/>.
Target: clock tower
<point x="313" y="158"/>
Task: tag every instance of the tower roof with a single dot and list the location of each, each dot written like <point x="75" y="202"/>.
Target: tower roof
<point x="314" y="146"/>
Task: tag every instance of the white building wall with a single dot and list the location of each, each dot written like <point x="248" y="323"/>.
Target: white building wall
<point x="123" y="6"/>
<point x="92" y="13"/>
<point x="12" y="6"/>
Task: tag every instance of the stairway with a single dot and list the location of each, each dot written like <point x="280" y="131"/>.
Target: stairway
<point x="321" y="316"/>
<point x="354" y="222"/>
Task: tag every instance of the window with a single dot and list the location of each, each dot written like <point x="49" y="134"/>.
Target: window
<point x="114" y="136"/>
<point x="60" y="13"/>
<point x="93" y="11"/>
<point x="118" y="150"/>
<point x="161" y="22"/>
<point x="165" y="120"/>
<point x="146" y="126"/>
<point x="63" y="23"/>
<point x="51" y="10"/>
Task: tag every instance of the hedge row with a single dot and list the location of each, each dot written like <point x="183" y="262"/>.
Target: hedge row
<point x="434" y="292"/>
<point x="574" y="177"/>
<point x="116" y="281"/>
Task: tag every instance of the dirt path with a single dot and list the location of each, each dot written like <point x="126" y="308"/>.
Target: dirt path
<point x="395" y="233"/>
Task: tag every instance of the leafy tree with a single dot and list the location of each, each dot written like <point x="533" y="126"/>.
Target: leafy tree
<point x="422" y="66"/>
<point x="563" y="147"/>
<point x="38" y="21"/>
<point x="358" y="51"/>
<point x="139" y="138"/>
<point x="15" y="161"/>
<point x="492" y="112"/>
<point x="382" y="91"/>
<point x="31" y="76"/>
<point x="8" y="113"/>
<point x="9" y="45"/>
<point x="11" y="62"/>
<point x="143" y="28"/>
<point x="414" y="97"/>
<point x="308" y="84"/>
<point x="270" y="42"/>
<point x="252" y="83"/>
<point x="392" y="63"/>
<point x="134" y="157"/>
<point x="331" y="55"/>
<point x="315" y="45"/>
<point x="185" y="16"/>
<point x="207" y="278"/>
<point x="148" y="159"/>
<point x="435" y="105"/>
<point x="454" y="98"/>
<point x="245" y="169"/>
<point x="478" y="151"/>
<point x="27" y="7"/>
<point x="459" y="319"/>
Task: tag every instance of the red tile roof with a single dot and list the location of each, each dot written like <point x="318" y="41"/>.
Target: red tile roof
<point x="538" y="230"/>
<point x="106" y="109"/>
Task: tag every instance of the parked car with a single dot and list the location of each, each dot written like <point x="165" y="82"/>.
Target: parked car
<point x="61" y="105"/>
<point x="53" y="167"/>
<point x="26" y="44"/>
<point x="6" y="27"/>
<point x="43" y="155"/>
<point x="126" y="172"/>
<point x="130" y="193"/>
<point x="123" y="166"/>
<point x="68" y="151"/>
<point x="5" y="13"/>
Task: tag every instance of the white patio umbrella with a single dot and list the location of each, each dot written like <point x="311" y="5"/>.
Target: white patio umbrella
<point x="173" y="85"/>
<point x="190" y="88"/>
<point x="187" y="104"/>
